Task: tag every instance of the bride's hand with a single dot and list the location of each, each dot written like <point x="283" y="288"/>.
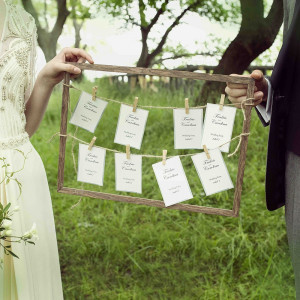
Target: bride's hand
<point x="53" y="72"/>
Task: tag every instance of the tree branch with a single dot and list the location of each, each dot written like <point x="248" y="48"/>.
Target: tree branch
<point x="142" y="8"/>
<point x="160" y="12"/>
<point x="131" y="19"/>
<point x="45" y="14"/>
<point x="159" y="47"/>
<point x="275" y="15"/>
<point x="252" y="10"/>
<point x="160" y="60"/>
<point x="27" y="4"/>
<point x="62" y="14"/>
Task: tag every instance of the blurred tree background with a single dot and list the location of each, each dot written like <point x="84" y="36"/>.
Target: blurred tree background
<point x="259" y="22"/>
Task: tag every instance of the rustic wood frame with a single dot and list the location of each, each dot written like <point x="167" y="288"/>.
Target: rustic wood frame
<point x="150" y="202"/>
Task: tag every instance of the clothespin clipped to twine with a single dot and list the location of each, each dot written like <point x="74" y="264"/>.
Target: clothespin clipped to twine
<point x="136" y="100"/>
<point x="92" y="143"/>
<point x="127" y="151"/>
<point x="206" y="151"/>
<point x="222" y="100"/>
<point x="186" y="104"/>
<point x="95" y="88"/>
<point x="164" y="157"/>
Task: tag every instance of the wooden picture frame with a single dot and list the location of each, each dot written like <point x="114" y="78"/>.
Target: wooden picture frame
<point x="234" y="212"/>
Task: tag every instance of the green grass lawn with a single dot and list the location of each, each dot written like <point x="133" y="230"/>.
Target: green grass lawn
<point x="112" y="250"/>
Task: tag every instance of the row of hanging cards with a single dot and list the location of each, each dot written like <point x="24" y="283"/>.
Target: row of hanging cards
<point x="170" y="174"/>
<point x="128" y="172"/>
<point x="173" y="182"/>
<point x="189" y="130"/>
<point x="131" y="123"/>
<point x="190" y="133"/>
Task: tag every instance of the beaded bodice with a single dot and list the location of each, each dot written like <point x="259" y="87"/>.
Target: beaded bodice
<point x="17" y="58"/>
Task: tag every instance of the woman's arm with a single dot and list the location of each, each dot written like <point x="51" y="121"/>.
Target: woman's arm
<point x="50" y="75"/>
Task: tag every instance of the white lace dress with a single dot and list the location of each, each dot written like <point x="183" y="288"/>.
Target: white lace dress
<point x="36" y="275"/>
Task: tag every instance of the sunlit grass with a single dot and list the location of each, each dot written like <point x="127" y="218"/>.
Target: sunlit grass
<point x="112" y="250"/>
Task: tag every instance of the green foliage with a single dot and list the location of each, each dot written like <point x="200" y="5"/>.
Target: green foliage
<point x="79" y="11"/>
<point x="112" y="250"/>
<point x="221" y="11"/>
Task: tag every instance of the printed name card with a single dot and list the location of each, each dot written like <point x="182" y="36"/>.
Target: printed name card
<point x="91" y="165"/>
<point x="188" y="128"/>
<point x="172" y="181"/>
<point x="213" y="172"/>
<point x="218" y="126"/>
<point x="128" y="173"/>
<point x="131" y="126"/>
<point x="88" y="112"/>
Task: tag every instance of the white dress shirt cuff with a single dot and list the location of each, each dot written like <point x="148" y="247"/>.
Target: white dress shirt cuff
<point x="265" y="111"/>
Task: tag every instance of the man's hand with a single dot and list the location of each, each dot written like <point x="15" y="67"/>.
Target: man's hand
<point x="237" y="92"/>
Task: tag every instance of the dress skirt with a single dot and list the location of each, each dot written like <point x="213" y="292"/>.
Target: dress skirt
<point x="36" y="274"/>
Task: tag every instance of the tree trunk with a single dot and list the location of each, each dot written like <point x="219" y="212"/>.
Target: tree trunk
<point x="147" y="59"/>
<point x="48" y="40"/>
<point x="144" y="56"/>
<point x="47" y="43"/>
<point x="256" y="35"/>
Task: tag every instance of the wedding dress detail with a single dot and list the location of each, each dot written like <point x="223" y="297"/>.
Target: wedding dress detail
<point x="36" y="275"/>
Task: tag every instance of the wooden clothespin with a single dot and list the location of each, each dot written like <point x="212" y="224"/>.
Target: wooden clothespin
<point x="92" y="143"/>
<point x="95" y="88"/>
<point x="136" y="100"/>
<point x="187" y="107"/>
<point x="222" y="101"/>
<point x="127" y="151"/>
<point x="206" y="151"/>
<point x="164" y="157"/>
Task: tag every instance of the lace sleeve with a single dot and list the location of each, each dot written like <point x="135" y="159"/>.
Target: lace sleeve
<point x="32" y="62"/>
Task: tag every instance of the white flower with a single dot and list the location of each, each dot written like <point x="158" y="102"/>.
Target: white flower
<point x="6" y="224"/>
<point x="7" y="232"/>
<point x="16" y="209"/>
<point x="32" y="233"/>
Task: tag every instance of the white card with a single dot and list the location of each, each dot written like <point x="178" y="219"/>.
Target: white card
<point x="188" y="128"/>
<point x="128" y="173"/>
<point x="172" y="181"/>
<point x="91" y="165"/>
<point x="131" y="126"/>
<point x="213" y="172"/>
<point x="218" y="126"/>
<point x="87" y="113"/>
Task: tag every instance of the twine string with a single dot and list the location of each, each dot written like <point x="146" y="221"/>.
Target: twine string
<point x="243" y="103"/>
<point x="72" y="149"/>
<point x="240" y="136"/>
<point x="75" y="166"/>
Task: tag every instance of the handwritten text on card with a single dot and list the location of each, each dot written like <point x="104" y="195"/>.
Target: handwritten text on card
<point x="131" y="126"/>
<point x="87" y="113"/>
<point x="213" y="172"/>
<point x="218" y="126"/>
<point x="91" y="165"/>
<point x="172" y="181"/>
<point x="128" y="173"/>
<point x="188" y="128"/>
